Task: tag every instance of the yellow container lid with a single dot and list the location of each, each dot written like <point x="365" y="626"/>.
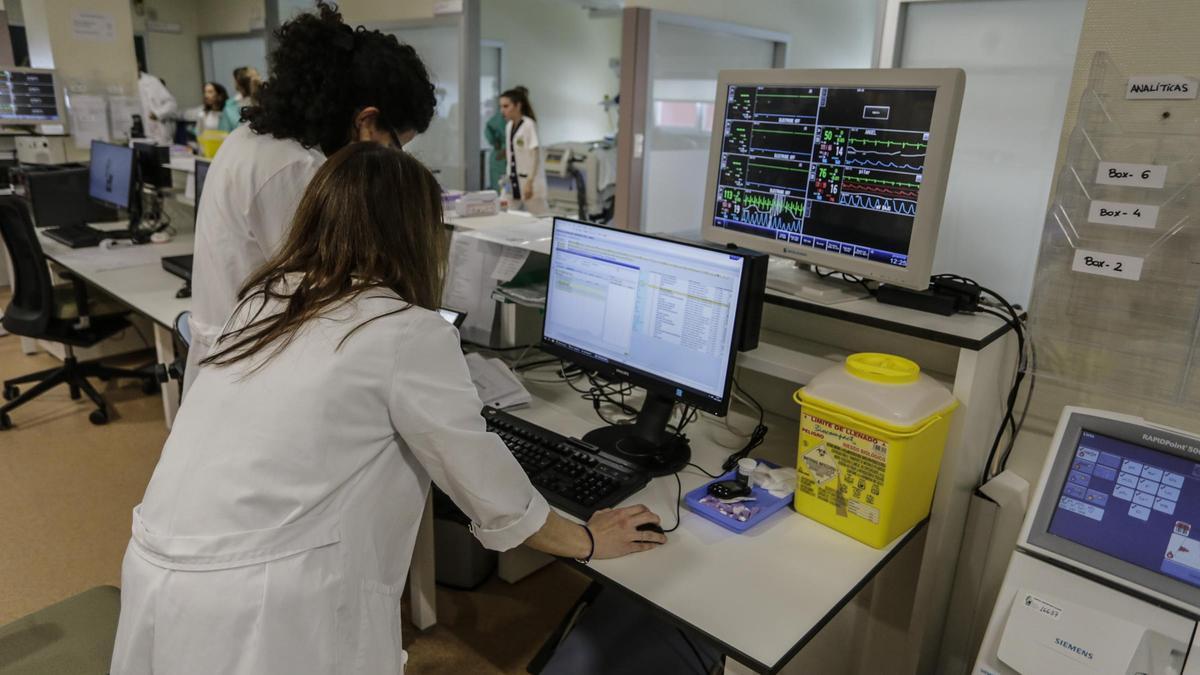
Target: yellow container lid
<point x="882" y="368"/>
<point x="886" y="390"/>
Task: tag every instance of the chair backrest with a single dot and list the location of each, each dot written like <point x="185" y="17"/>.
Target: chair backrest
<point x="32" y="305"/>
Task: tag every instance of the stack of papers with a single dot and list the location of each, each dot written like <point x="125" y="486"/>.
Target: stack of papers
<point x="496" y="384"/>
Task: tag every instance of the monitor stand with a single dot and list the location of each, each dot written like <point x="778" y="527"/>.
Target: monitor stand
<point x="648" y="442"/>
<point x="788" y="277"/>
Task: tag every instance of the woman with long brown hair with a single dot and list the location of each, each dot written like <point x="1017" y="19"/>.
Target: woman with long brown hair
<point x="276" y="532"/>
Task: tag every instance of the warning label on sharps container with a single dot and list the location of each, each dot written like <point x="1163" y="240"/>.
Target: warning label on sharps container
<point x="842" y="466"/>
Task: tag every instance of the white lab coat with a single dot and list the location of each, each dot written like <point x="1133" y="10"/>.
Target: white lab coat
<point x="206" y="120"/>
<point x="250" y="195"/>
<point x="527" y="150"/>
<point x="277" y="530"/>
<point x="158" y="100"/>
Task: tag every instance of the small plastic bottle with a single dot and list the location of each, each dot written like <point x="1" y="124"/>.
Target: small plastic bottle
<point x="746" y="466"/>
<point x="505" y="195"/>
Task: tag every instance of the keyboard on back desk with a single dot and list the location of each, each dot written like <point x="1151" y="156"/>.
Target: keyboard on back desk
<point x="575" y="476"/>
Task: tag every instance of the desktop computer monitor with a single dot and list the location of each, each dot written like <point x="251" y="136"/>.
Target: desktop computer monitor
<point x="150" y="160"/>
<point x="200" y="175"/>
<point x="844" y="169"/>
<point x="110" y="174"/>
<point x="660" y="314"/>
<point x="29" y="96"/>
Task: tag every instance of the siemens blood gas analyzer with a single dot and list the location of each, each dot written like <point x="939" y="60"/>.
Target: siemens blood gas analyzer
<point x="1106" y="575"/>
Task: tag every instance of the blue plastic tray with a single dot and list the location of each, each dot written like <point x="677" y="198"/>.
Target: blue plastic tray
<point x="766" y="503"/>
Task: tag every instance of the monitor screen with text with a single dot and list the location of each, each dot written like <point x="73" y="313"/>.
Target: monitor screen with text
<point x="664" y="309"/>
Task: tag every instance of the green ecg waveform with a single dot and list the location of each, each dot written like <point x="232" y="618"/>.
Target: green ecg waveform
<point x="764" y="203"/>
<point x="889" y="144"/>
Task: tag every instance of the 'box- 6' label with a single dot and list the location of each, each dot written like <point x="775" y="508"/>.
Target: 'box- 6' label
<point x="1131" y="175"/>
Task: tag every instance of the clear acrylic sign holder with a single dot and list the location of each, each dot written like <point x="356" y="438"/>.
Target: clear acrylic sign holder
<point x="1116" y="301"/>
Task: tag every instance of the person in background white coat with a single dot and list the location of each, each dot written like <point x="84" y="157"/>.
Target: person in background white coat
<point x="210" y="116"/>
<point x="158" y="107"/>
<point x="278" y="527"/>
<point x="526" y="173"/>
<point x="351" y="85"/>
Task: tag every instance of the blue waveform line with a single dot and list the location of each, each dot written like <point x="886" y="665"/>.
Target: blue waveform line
<point x="878" y="203"/>
<point x="878" y="164"/>
<point x="768" y="219"/>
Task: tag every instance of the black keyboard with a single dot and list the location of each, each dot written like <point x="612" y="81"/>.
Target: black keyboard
<point x="79" y="236"/>
<point x="575" y="476"/>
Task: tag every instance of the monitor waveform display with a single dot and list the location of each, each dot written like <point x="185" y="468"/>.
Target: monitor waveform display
<point x="878" y="203"/>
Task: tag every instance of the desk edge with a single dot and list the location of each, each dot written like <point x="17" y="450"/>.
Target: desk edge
<point x="729" y="650"/>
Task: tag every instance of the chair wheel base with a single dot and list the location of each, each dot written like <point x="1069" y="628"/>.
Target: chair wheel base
<point x="98" y="417"/>
<point x="11" y="391"/>
<point x="5" y="421"/>
<point x="150" y="387"/>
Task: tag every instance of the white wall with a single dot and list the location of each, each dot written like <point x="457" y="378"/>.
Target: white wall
<point x="1141" y="39"/>
<point x="175" y="57"/>
<point x="825" y="33"/>
<point x="562" y="56"/>
<point x="224" y="17"/>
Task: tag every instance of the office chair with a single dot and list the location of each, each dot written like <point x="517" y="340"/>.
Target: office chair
<point x="181" y="335"/>
<point x="40" y="311"/>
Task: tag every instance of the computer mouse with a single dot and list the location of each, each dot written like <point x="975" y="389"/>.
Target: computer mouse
<point x="650" y="527"/>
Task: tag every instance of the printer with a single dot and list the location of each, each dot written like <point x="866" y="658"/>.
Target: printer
<point x="1106" y="574"/>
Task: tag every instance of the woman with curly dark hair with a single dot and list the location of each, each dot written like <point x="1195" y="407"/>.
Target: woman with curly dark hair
<point x="329" y="84"/>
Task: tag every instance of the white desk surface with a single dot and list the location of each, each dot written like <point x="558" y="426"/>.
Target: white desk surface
<point x="762" y="594"/>
<point x="186" y="164"/>
<point x="132" y="274"/>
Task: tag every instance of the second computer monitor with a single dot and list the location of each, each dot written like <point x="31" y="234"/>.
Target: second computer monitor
<point x="660" y="314"/>
<point x="844" y="169"/>
<point x="110" y="174"/>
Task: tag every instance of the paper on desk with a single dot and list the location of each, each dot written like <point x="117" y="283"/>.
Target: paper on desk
<point x="511" y="261"/>
<point x="468" y="286"/>
<point x="89" y="119"/>
<point x="532" y="236"/>
<point x="496" y="384"/>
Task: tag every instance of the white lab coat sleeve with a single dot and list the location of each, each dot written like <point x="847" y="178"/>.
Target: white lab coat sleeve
<point x="159" y="99"/>
<point x="435" y="409"/>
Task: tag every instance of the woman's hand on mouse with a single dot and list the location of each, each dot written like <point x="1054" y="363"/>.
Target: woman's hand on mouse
<point x="616" y="533"/>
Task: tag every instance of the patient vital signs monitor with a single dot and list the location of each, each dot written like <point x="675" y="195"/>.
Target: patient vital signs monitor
<point x="840" y="168"/>
<point x="29" y="96"/>
<point x="660" y="314"/>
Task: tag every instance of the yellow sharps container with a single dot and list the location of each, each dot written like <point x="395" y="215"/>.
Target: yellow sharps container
<point x="872" y="433"/>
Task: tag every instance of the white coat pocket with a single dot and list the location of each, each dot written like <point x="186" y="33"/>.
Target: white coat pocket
<point x="379" y="645"/>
